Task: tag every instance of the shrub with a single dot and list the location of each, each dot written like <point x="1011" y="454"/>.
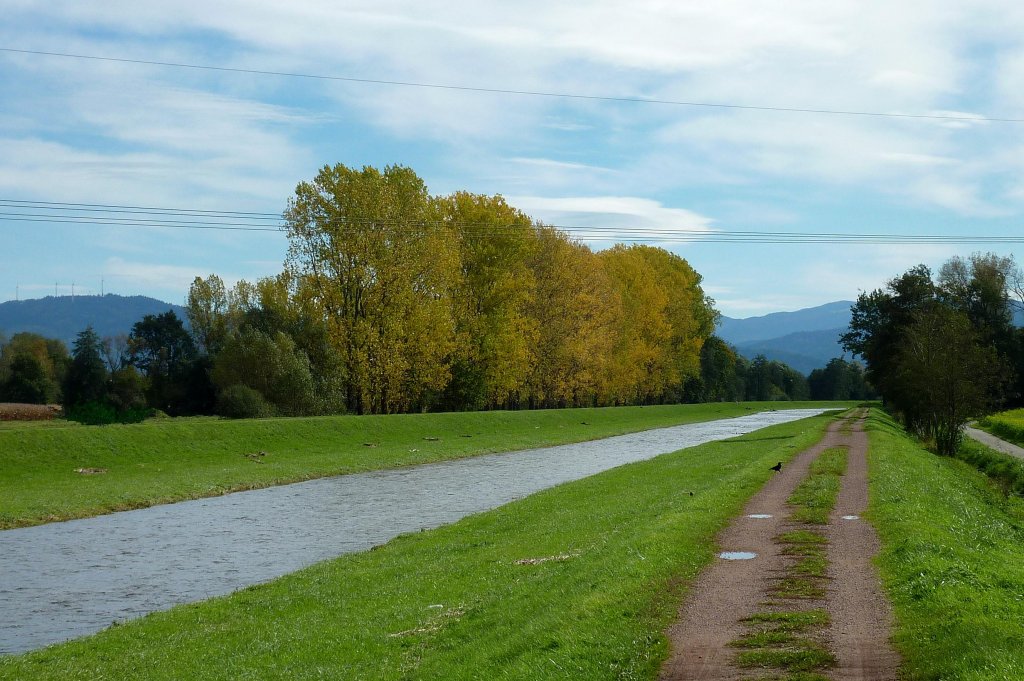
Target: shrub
<point x="102" y="414"/>
<point x="92" y="413"/>
<point x="272" y="366"/>
<point x="242" y="402"/>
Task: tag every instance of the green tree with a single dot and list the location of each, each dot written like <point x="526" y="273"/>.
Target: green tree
<point x="26" y="382"/>
<point x="126" y="390"/>
<point x="49" y="354"/>
<point x="160" y="347"/>
<point x="938" y="352"/>
<point x="86" y="378"/>
<point x="270" y="365"/>
<point x="989" y="288"/>
<point x="877" y="326"/>
<point x="954" y="375"/>
<point x="718" y="363"/>
<point x="770" y="380"/>
<point x="839" y="380"/>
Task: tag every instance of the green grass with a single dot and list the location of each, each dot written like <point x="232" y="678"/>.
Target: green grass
<point x="1006" y="471"/>
<point x="952" y="561"/>
<point x="807" y="657"/>
<point x="457" y="602"/>
<point x="794" y="622"/>
<point x="797" y="587"/>
<point x="816" y="495"/>
<point x="166" y="460"/>
<point x="1008" y="425"/>
<point x="802" y="538"/>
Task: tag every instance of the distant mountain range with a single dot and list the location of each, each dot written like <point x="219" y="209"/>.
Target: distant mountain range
<point x="805" y="339"/>
<point x="64" y="317"/>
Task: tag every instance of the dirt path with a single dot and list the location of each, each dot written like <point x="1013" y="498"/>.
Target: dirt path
<point x="860" y="613"/>
<point x="731" y="590"/>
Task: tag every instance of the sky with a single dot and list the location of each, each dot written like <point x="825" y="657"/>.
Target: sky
<point x="115" y="133"/>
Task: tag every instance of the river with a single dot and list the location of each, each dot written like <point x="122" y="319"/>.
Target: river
<point x="70" y="579"/>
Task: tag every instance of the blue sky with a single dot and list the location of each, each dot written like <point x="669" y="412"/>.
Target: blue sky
<point x="84" y="131"/>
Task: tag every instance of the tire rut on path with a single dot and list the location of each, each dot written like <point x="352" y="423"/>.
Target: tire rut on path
<point x="729" y="590"/>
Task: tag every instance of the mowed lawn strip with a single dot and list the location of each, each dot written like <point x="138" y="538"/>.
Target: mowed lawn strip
<point x="1008" y="425"/>
<point x="952" y="561"/>
<point x="579" y="581"/>
<point x="168" y="460"/>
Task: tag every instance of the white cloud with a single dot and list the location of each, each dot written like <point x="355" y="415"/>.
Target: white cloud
<point x="623" y="212"/>
<point x="118" y="133"/>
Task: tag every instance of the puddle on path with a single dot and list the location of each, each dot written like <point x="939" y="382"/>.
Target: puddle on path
<point x="74" y="578"/>
<point x="760" y="515"/>
<point x="851" y="517"/>
<point x="737" y="555"/>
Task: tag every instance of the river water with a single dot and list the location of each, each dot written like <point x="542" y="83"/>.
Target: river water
<point x="64" y="580"/>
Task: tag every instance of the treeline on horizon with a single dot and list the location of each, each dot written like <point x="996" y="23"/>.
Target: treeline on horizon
<point x="393" y="300"/>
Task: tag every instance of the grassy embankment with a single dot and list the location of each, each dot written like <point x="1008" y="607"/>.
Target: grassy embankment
<point x="952" y="561"/>
<point x="578" y="581"/>
<point x="170" y="460"/>
<point x="1009" y="425"/>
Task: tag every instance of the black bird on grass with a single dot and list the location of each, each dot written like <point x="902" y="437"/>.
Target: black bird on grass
<point x="777" y="467"/>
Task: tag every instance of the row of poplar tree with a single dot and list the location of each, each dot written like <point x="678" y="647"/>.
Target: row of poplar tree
<point x="394" y="300"/>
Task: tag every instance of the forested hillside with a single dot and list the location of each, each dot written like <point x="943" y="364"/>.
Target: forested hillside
<point x="62" y="317"/>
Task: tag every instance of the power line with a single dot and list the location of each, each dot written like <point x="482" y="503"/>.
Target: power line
<point x="113" y="222"/>
<point x="112" y="215"/>
<point x="524" y="93"/>
<point x="63" y="205"/>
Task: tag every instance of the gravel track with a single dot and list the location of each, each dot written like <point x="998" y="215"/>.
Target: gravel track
<point x="730" y="590"/>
